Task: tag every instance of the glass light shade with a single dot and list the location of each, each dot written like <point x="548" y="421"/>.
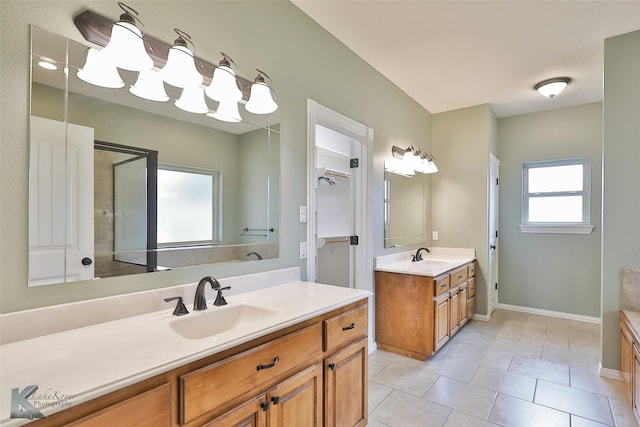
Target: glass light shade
<point x="227" y="112"/>
<point x="126" y="48"/>
<point x="260" y="100"/>
<point x="552" y="89"/>
<point x="180" y="70"/>
<point x="223" y="85"/>
<point x="99" y="70"/>
<point x="192" y="100"/>
<point x="430" y="167"/>
<point x="149" y="86"/>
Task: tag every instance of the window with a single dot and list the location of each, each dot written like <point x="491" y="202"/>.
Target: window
<point x="188" y="206"/>
<point x="556" y="196"/>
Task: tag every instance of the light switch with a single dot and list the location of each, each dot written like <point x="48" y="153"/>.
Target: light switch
<point x="303" y="214"/>
<point x="303" y="250"/>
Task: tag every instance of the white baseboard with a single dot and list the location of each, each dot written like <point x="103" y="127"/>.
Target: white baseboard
<point x="373" y="346"/>
<point x="482" y="317"/>
<point x="609" y="373"/>
<point x="550" y="313"/>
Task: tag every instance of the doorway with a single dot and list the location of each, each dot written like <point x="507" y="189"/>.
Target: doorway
<point x="494" y="220"/>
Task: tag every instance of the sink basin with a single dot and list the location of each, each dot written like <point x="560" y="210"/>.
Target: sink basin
<point x="433" y="262"/>
<point x="217" y="320"/>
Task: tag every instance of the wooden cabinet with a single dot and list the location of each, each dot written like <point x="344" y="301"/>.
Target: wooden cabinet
<point x="626" y="358"/>
<point x="313" y="373"/>
<point x="416" y="315"/>
<point x="346" y="386"/>
<point x="150" y="408"/>
<point x="630" y="358"/>
<point x="636" y="380"/>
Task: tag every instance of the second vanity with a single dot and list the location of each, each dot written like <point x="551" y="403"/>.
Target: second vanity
<point x="421" y="305"/>
<point x="270" y="356"/>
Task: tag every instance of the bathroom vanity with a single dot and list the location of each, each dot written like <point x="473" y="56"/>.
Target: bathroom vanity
<point x="421" y="305"/>
<point x="293" y="354"/>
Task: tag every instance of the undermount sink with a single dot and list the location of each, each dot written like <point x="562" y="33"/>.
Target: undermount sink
<point x="433" y="261"/>
<point x="217" y="320"/>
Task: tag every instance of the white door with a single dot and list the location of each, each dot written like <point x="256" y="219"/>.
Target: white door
<point x="494" y="181"/>
<point x="339" y="202"/>
<point x="60" y="202"/>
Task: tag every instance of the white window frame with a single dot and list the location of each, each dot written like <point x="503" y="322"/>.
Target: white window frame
<point x="581" y="227"/>
<point x="216" y="218"/>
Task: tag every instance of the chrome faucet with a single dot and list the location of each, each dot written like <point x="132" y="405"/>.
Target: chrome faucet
<point x="256" y="254"/>
<point x="199" y="302"/>
<point x="418" y="255"/>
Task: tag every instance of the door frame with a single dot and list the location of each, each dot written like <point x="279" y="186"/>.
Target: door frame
<point x="319" y="114"/>
<point x="493" y="190"/>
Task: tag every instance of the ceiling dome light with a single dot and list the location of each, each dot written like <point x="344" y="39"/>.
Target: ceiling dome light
<point x="149" y="86"/>
<point x="99" y="70"/>
<point x="180" y="70"/>
<point x="126" y="46"/>
<point x="261" y="98"/>
<point x="224" y="86"/>
<point x="552" y="87"/>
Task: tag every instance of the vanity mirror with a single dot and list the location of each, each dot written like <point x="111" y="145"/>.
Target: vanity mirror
<point x="122" y="185"/>
<point x="405" y="209"/>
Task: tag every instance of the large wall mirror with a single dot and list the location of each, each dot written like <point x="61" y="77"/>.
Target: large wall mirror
<point x="405" y="209"/>
<point x="121" y="185"/>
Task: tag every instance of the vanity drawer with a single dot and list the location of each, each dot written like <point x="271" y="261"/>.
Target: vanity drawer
<point x="471" y="269"/>
<point x="345" y="328"/>
<point x="472" y="287"/>
<point x="441" y="284"/>
<point x="206" y="389"/>
<point x="458" y="276"/>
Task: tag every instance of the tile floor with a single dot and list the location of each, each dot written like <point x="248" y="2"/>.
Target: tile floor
<point x="518" y="369"/>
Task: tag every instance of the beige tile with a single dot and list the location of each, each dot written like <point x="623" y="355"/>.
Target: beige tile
<point x="460" y="419"/>
<point x="376" y="423"/>
<point x="488" y="357"/>
<point x="558" y="343"/>
<point x="396" y="358"/>
<point x="452" y="368"/>
<point x="582" y="403"/>
<point x="516" y="385"/>
<point x="512" y="412"/>
<point x="470" y="399"/>
<point x="622" y="412"/>
<point x="529" y="349"/>
<point x="377" y="393"/>
<point x="542" y="369"/>
<point x="376" y="364"/>
<point x="405" y="378"/>
<point x="590" y="380"/>
<point x="583" y="422"/>
<point x="401" y="409"/>
<point x="574" y="360"/>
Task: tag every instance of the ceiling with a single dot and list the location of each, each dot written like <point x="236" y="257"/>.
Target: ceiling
<point x="455" y="54"/>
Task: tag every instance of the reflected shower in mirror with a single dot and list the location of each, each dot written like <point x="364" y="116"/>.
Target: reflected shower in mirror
<point x="121" y="185"/>
<point x="405" y="209"/>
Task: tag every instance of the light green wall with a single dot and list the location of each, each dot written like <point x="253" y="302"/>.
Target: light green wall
<point x="558" y="272"/>
<point x="462" y="140"/>
<point x="302" y="58"/>
<point x="621" y="177"/>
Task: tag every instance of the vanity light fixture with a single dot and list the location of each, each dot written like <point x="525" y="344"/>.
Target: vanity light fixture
<point x="150" y="86"/>
<point x="126" y="45"/>
<point x="552" y="87"/>
<point x="224" y="86"/>
<point x="261" y="100"/>
<point x="180" y="70"/>
<point x="192" y="100"/>
<point x="99" y="70"/>
<point x="412" y="160"/>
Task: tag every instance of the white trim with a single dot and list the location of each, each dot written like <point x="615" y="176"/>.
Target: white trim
<point x="373" y="346"/>
<point x="482" y="317"/>
<point x="556" y="228"/>
<point x="550" y="313"/>
<point x="609" y="373"/>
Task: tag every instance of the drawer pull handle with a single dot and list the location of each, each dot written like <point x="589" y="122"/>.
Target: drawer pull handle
<point x="459" y="277"/>
<point x="443" y="285"/>
<point x="264" y="406"/>
<point x="332" y="366"/>
<point x="275" y="399"/>
<point x="270" y="365"/>
<point x="351" y="326"/>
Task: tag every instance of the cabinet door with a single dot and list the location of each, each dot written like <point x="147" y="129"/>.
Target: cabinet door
<point x="454" y="312"/>
<point x="442" y="322"/>
<point x="151" y="408"/>
<point x="298" y="400"/>
<point x="636" y="381"/>
<point x="464" y="315"/>
<point x="346" y="386"/>
<point x="250" y="414"/>
<point x="626" y="358"/>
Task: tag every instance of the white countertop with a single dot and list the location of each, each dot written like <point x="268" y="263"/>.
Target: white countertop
<point x="91" y="361"/>
<point x="434" y="263"/>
